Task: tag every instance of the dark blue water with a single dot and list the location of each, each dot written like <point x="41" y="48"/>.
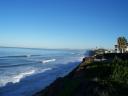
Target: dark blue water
<point x="26" y="71"/>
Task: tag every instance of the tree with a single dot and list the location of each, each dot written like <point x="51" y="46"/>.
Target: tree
<point x="122" y="44"/>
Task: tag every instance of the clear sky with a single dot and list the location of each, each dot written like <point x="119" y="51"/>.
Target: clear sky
<point x="62" y="23"/>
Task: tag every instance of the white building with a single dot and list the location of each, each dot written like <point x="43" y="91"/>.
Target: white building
<point x="117" y="49"/>
<point x="126" y="48"/>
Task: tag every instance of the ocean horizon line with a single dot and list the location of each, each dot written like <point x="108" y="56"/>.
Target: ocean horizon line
<point x="45" y="48"/>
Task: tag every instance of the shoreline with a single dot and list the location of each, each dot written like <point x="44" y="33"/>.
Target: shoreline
<point x="56" y="83"/>
<point x="89" y="78"/>
<point x="34" y="76"/>
<point x="90" y="53"/>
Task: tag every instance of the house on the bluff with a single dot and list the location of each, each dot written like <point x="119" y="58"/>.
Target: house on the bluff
<point x="118" y="51"/>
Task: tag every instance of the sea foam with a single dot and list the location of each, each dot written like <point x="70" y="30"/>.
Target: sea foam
<point x="22" y="75"/>
<point x="47" y="61"/>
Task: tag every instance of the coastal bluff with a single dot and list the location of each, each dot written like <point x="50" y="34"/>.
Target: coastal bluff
<point x="90" y="78"/>
<point x="72" y="82"/>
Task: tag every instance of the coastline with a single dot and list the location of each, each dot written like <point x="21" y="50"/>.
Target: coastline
<point x="89" y="54"/>
<point x="89" y="78"/>
<point x="55" y="84"/>
<point x="36" y="69"/>
<point x="54" y="87"/>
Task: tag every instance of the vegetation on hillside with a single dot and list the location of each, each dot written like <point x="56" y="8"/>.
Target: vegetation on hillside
<point x="111" y="77"/>
<point x="120" y="71"/>
<point x="103" y="78"/>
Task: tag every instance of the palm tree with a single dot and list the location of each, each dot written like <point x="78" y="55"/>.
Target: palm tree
<point x="122" y="44"/>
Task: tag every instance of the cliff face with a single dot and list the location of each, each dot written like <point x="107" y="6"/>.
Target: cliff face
<point x="73" y="84"/>
<point x="88" y="79"/>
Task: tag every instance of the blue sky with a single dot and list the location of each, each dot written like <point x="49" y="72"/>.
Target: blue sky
<point x="75" y="24"/>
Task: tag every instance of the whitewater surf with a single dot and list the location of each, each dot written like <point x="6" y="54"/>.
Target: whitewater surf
<point x="24" y="72"/>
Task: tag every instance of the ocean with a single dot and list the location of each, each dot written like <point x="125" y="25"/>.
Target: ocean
<point x="25" y="71"/>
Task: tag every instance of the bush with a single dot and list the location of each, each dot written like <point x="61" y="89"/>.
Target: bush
<point x="119" y="71"/>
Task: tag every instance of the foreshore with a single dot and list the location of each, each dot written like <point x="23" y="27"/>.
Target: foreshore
<point x="90" y="78"/>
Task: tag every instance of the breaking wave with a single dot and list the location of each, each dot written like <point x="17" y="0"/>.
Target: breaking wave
<point x="17" y="78"/>
<point x="22" y="75"/>
<point x="47" y="61"/>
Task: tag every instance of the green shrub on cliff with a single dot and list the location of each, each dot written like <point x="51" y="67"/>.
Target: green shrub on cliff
<point x="119" y="71"/>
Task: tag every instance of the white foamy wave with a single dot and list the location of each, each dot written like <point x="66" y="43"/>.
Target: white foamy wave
<point x="81" y="58"/>
<point x="47" y="61"/>
<point x="15" y="79"/>
<point x="46" y="69"/>
<point x="22" y="75"/>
